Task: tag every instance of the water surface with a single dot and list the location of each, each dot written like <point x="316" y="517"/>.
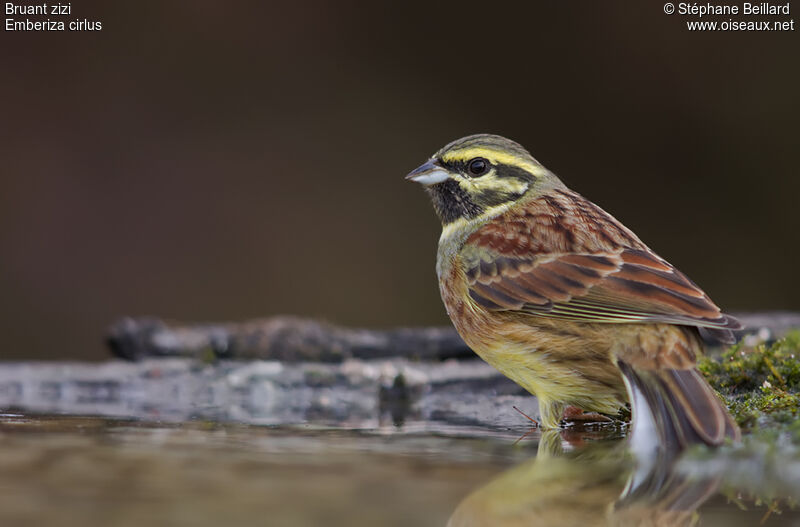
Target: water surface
<point x="69" y="470"/>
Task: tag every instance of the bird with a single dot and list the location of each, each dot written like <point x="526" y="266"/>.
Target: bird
<point x="562" y="298"/>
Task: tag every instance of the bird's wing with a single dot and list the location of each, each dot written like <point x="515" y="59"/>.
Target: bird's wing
<point x="566" y="258"/>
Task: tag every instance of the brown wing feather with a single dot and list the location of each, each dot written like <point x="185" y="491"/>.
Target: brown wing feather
<point x="564" y="257"/>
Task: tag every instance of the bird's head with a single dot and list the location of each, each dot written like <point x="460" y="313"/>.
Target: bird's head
<point x="480" y="175"/>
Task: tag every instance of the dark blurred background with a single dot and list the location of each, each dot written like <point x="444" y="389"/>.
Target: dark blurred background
<point x="207" y="161"/>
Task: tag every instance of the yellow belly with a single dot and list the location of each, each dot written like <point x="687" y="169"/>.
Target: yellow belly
<point x="559" y="368"/>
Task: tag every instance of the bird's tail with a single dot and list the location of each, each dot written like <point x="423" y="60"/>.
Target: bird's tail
<point x="675" y="408"/>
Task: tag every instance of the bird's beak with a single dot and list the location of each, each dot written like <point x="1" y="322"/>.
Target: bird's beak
<point x="428" y="174"/>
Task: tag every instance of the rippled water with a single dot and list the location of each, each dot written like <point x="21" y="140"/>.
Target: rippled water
<point x="68" y="470"/>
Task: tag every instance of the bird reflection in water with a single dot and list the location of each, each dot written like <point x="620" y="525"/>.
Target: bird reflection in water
<point x="599" y="483"/>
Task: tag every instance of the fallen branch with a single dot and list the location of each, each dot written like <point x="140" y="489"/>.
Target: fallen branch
<point x="283" y="338"/>
<point x="292" y="339"/>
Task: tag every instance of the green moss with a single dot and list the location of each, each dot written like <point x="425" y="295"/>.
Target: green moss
<point x="761" y="384"/>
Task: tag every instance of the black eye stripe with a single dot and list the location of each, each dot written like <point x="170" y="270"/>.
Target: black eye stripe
<point x="514" y="172"/>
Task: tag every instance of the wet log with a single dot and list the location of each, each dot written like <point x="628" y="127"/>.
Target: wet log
<point x="283" y="338"/>
<point x="292" y="339"/>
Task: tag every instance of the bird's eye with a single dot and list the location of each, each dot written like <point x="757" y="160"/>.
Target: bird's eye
<point x="478" y="166"/>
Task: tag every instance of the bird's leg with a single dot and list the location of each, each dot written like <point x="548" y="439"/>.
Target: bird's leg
<point x="526" y="416"/>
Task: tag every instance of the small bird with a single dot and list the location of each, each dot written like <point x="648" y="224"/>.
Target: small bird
<point x="566" y="301"/>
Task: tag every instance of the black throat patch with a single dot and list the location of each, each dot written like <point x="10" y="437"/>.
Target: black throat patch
<point x="451" y="202"/>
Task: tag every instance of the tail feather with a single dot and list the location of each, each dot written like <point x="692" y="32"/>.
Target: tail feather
<point x="683" y="408"/>
<point x="718" y="335"/>
<point x="721" y="334"/>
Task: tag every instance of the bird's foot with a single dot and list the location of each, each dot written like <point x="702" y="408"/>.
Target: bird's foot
<point x="573" y="414"/>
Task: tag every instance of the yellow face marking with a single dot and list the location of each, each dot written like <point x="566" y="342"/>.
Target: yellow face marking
<point x="490" y="181"/>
